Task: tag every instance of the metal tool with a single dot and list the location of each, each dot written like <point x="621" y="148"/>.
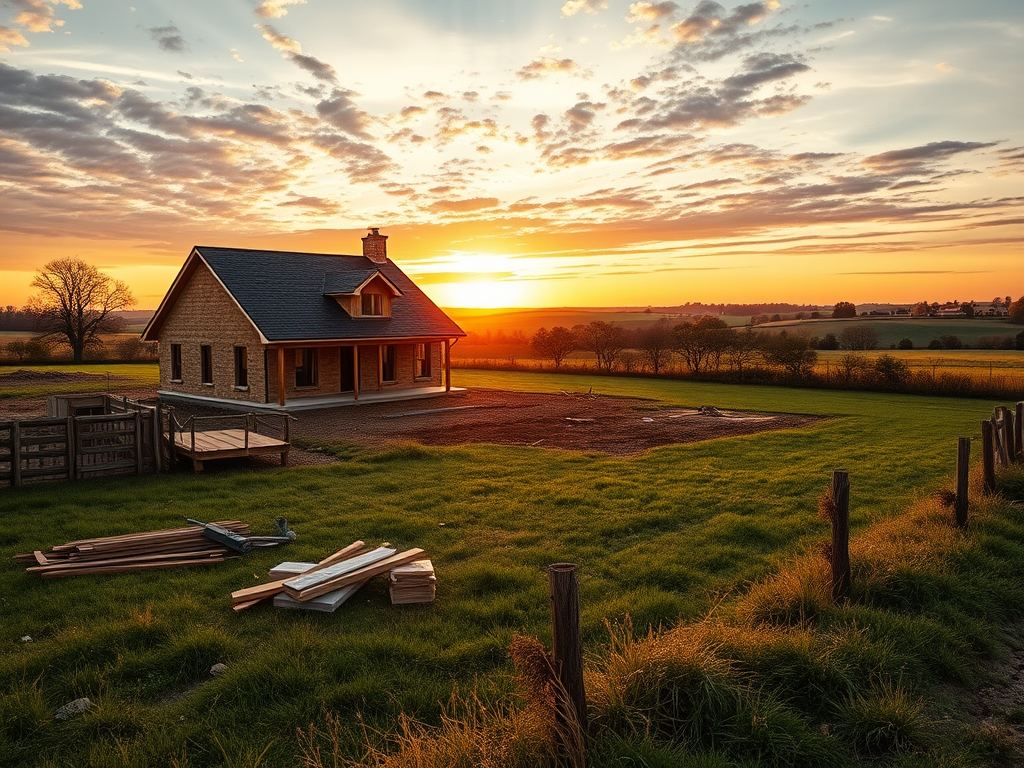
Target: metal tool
<point x="221" y="535"/>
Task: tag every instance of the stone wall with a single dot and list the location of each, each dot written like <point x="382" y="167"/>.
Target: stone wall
<point x="205" y="314"/>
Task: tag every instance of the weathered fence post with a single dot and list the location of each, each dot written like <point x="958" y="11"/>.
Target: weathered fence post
<point x="963" y="465"/>
<point x="565" y="630"/>
<point x="1004" y="435"/>
<point x="138" y="443"/>
<point x="840" y="534"/>
<point x="71" y="460"/>
<point x="1009" y="435"/>
<point x="154" y="438"/>
<point x="1019" y="429"/>
<point x="988" y="456"/>
<point x="15" y="455"/>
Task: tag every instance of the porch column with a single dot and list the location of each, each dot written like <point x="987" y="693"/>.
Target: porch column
<point x="280" y="376"/>
<point x="355" y="365"/>
<point x="380" y="367"/>
<point x="447" y="365"/>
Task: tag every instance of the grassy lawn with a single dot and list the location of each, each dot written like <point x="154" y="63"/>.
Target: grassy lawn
<point x="127" y="375"/>
<point x="656" y="537"/>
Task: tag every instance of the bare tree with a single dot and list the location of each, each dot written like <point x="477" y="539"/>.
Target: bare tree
<point x="655" y="345"/>
<point x="75" y="302"/>
<point x="556" y="343"/>
<point x="743" y="349"/>
<point x="605" y="340"/>
<point x="701" y="342"/>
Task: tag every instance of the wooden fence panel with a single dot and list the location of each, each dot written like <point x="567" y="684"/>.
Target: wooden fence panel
<point x="126" y="441"/>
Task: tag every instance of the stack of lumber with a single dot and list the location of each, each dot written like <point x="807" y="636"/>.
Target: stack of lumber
<point x="325" y="585"/>
<point x="130" y="553"/>
<point x="412" y="583"/>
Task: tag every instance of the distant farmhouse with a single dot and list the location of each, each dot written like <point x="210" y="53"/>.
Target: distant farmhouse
<point x="276" y="329"/>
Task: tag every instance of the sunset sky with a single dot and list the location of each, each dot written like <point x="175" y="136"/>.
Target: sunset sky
<point x="527" y="153"/>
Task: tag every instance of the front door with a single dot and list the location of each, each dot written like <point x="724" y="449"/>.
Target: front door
<point x="348" y="369"/>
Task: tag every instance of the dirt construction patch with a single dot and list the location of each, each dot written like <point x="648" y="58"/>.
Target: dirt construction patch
<point x="621" y="426"/>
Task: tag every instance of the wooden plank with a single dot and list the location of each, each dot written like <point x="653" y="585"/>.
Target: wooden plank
<point x="72" y="460"/>
<point x="297" y="584"/>
<point x="350" y="578"/>
<point x="154" y="434"/>
<point x="288" y="569"/>
<point x="132" y="568"/>
<point x="40" y="558"/>
<point x="72" y="564"/>
<point x="327" y="603"/>
<point x="138" y="443"/>
<point x="245" y="598"/>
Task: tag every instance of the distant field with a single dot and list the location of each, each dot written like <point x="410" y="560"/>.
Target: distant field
<point x="528" y="321"/>
<point x="920" y="330"/>
<point x="125" y="375"/>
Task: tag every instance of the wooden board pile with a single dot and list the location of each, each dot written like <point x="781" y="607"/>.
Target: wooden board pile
<point x="130" y="553"/>
<point x="325" y="585"/>
<point x="412" y="583"/>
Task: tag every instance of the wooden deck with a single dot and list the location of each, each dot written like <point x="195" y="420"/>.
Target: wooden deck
<point x="225" y="444"/>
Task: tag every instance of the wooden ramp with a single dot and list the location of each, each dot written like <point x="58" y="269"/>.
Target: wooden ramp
<point x="220" y="440"/>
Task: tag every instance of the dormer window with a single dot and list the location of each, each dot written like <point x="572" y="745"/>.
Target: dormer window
<point x="362" y="292"/>
<point x="373" y="304"/>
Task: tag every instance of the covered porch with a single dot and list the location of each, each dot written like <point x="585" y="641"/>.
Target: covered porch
<point x="311" y="373"/>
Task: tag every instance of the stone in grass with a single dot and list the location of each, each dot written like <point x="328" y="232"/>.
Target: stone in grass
<point x="218" y="669"/>
<point x="26" y="638"/>
<point x="72" y="708"/>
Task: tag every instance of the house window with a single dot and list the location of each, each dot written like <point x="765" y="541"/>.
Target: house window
<point x="206" y="364"/>
<point x="373" y="304"/>
<point x="305" y="367"/>
<point x="423" y="360"/>
<point x="387" y="363"/>
<point x="175" y="362"/>
<point x="241" y="367"/>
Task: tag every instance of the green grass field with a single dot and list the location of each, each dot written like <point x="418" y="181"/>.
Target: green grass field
<point x="123" y="376"/>
<point x="920" y="330"/>
<point x="656" y="537"/>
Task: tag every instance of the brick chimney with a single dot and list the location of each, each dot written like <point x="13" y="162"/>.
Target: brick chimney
<point x="375" y="246"/>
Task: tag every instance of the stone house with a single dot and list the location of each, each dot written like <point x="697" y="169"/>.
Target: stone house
<point x="279" y="329"/>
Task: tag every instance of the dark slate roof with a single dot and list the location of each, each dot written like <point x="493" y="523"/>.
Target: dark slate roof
<point x="346" y="282"/>
<point x="282" y="292"/>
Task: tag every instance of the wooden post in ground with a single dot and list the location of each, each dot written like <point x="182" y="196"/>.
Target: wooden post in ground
<point x="840" y="534"/>
<point x="157" y="427"/>
<point x="15" y="454"/>
<point x="447" y="365"/>
<point x="1009" y="436"/>
<point x="999" y="452"/>
<point x="1018" y="429"/>
<point x="568" y="651"/>
<point x="988" y="456"/>
<point x="1004" y="434"/>
<point x="963" y="465"/>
